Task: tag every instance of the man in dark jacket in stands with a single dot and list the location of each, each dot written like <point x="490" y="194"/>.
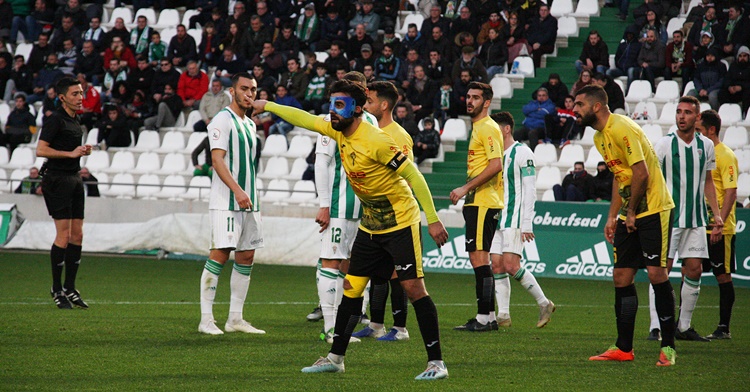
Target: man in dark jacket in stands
<point x="542" y="34"/>
<point x="614" y="92"/>
<point x="594" y="55"/>
<point x="602" y="183"/>
<point x="166" y="74"/>
<point x="427" y="142"/>
<point x="626" y="57"/>
<point x="576" y="186"/>
<point x="113" y="129"/>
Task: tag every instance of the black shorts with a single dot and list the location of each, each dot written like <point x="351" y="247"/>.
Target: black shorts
<point x="481" y="223"/>
<point x="721" y="256"/>
<point x="63" y="195"/>
<point x="376" y="255"/>
<point x="647" y="246"/>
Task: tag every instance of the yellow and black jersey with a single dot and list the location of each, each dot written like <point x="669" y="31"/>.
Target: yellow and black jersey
<point x="486" y="143"/>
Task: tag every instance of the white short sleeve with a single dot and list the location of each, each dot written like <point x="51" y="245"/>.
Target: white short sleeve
<point x="663" y="147"/>
<point x="218" y="131"/>
<point x="325" y="145"/>
<point x="708" y="145"/>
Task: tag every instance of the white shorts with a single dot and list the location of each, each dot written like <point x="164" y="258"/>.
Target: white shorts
<point x="688" y="243"/>
<point x="507" y="240"/>
<point x="238" y="230"/>
<point x="338" y="239"/>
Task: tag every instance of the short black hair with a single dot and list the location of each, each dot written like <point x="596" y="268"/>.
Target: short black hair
<point x="578" y="163"/>
<point x="240" y="75"/>
<point x="486" y="89"/>
<point x="595" y="92"/>
<point x="710" y="118"/>
<point x="352" y="89"/>
<point x="599" y="76"/>
<point x="691" y="100"/>
<point x="503" y="118"/>
<point x="386" y="91"/>
<point x="62" y="85"/>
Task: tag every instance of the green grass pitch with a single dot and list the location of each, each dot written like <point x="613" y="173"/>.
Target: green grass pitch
<point x="141" y="334"/>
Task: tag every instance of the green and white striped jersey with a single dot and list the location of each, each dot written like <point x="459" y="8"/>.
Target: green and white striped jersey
<point x="684" y="167"/>
<point x="519" y="175"/>
<point x="237" y="136"/>
<point x="338" y="196"/>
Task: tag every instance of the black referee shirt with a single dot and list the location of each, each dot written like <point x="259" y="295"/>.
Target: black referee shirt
<point x="63" y="133"/>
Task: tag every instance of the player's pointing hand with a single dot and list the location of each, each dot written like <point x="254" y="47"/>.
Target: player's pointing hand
<point x="259" y="106"/>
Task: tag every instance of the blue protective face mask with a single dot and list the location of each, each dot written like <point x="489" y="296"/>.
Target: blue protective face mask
<point x="347" y="111"/>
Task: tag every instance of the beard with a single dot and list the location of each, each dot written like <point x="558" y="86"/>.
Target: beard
<point x="587" y="120"/>
<point x="474" y="112"/>
<point x="341" y="124"/>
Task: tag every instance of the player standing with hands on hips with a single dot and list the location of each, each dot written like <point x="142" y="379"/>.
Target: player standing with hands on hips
<point x="62" y="187"/>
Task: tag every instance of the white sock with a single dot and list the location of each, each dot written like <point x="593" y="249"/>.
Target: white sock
<point x="689" y="298"/>
<point x="652" y="309"/>
<point x="483" y="318"/>
<point x="238" y="287"/>
<point x="528" y="281"/>
<point x="327" y="294"/>
<point x="209" y="281"/>
<point x="339" y="292"/>
<point x="366" y="298"/>
<point x="502" y="294"/>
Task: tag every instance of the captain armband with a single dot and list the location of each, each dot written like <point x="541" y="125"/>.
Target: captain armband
<point x="397" y="161"/>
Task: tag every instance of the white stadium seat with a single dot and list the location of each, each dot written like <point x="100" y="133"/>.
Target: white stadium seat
<point x="147" y="141"/>
<point x="561" y="7"/>
<point x="525" y="66"/>
<point x="275" y="167"/>
<point x="548" y="195"/>
<point x="123" y="186"/>
<point x="21" y="158"/>
<point x="735" y="137"/>
<point x="148" y="162"/>
<point x="172" y="188"/>
<point x="195" y="139"/>
<point x="569" y="155"/>
<point x="278" y="191"/>
<point x="668" y="112"/>
<point x="122" y="162"/>
<point x="667" y="91"/>
<point x="24" y="50"/>
<point x="653" y="132"/>
<point x="646" y="108"/>
<point x="186" y="17"/>
<point x="415" y="18"/>
<point x="674" y="24"/>
<point x="199" y="188"/>
<point x="298" y="168"/>
<point x="501" y="88"/>
<point x="4" y="155"/>
<point x="4" y="182"/>
<point x="168" y="17"/>
<point x="275" y="145"/>
<point x="730" y="114"/>
<point x="547" y="177"/>
<point x="121" y="12"/>
<point x="689" y="86"/>
<point x="148" y="186"/>
<point x="546" y="154"/>
<point x="97" y="161"/>
<point x="743" y="186"/>
<point x="593" y="159"/>
<point x="174" y="163"/>
<point x="639" y="90"/>
<point x="92" y="136"/>
<point x="303" y="192"/>
<point x="299" y="147"/>
<point x="173" y="142"/>
<point x="149" y="13"/>
<point x="587" y="8"/>
<point x="587" y="139"/>
<point x="567" y="26"/>
<point x="454" y="129"/>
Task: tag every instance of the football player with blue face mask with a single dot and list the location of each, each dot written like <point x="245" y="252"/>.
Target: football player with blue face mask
<point x="343" y="111"/>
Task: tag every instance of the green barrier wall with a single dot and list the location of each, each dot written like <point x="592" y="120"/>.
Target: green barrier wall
<point x="570" y="244"/>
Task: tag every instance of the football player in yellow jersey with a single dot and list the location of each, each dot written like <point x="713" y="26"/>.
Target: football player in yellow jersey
<point x="389" y="232"/>
<point x="721" y="248"/>
<point x="639" y="221"/>
<point x="484" y="201"/>
<point x="381" y="98"/>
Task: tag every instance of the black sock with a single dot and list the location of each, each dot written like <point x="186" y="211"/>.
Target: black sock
<point x="626" y="306"/>
<point x="72" y="261"/>
<point x="664" y="299"/>
<point x="57" y="258"/>
<point x="726" y="301"/>
<point x="399" y="303"/>
<point x="484" y="288"/>
<point x="378" y="298"/>
<point x="427" y="318"/>
<point x="346" y="319"/>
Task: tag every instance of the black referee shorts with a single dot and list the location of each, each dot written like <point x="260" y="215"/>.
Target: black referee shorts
<point x="63" y="195"/>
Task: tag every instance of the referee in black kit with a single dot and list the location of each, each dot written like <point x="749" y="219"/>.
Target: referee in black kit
<point x="62" y="187"/>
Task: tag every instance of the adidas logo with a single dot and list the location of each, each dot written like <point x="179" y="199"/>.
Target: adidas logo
<point x="586" y="265"/>
<point x="453" y="256"/>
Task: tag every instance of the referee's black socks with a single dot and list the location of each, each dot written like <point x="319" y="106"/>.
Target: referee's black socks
<point x="72" y="261"/>
<point x="664" y="301"/>
<point x="57" y="258"/>
<point x="427" y="318"/>
<point x="626" y="305"/>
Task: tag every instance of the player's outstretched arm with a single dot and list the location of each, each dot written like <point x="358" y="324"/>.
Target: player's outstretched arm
<point x="294" y="116"/>
<point x="422" y="192"/>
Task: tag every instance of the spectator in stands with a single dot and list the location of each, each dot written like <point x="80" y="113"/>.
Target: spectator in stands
<point x="737" y="82"/>
<point x="140" y="36"/>
<point x="239" y="16"/>
<point x="561" y="127"/>
<point x="92" y="103"/>
<point x="388" y="65"/>
<point x="157" y="50"/>
<point x="114" y="74"/>
<point x="494" y="22"/>
<point x="113" y="129"/>
<point x="708" y="24"/>
<point x="31" y="25"/>
<point x="294" y="80"/>
<point x="316" y="90"/>
<point x="39" y="53"/>
<point x="707" y="42"/>
<point x="89" y="62"/>
<point x="32" y="184"/>
<point x="735" y="32"/>
<point x="206" y="169"/>
<point x="556" y="89"/>
<point x="679" y="58"/>
<point x="95" y="34"/>
<point x="594" y="55"/>
<point x="438" y="69"/>
<point x="651" y="60"/>
<point x="67" y="57"/>
<point x="389" y="37"/>
<point x="458" y="98"/>
<point x="167" y="111"/>
<point x="121" y="93"/>
<point x="118" y="30"/>
<point x="48" y="103"/>
<point x="494" y="54"/>
<point x="533" y="125"/>
<point x="287" y="44"/>
<point x="228" y="65"/>
<point x="211" y="103"/>
<point x="406" y="120"/>
<point x="332" y="28"/>
<point x="698" y="11"/>
<point x="119" y="51"/>
<point x="72" y="9"/>
<point x="407" y="67"/>
<point x="354" y="44"/>
<point x="603" y="183"/>
<point x="413" y="40"/>
<point x="434" y="19"/>
<point x="280" y="125"/>
<point x="578" y="185"/>
<point x="427" y="142"/>
<point x="308" y="28"/>
<point x="445" y="101"/>
<point x="542" y="34"/>
<point x="463" y="39"/>
<point x="640" y="12"/>
<point x="20" y="124"/>
<point x="205" y="9"/>
<point x="90" y="183"/>
<point x="621" y="5"/>
<point x="181" y="48"/>
<point x="616" y="99"/>
<point x="191" y="86"/>
<point x="208" y="49"/>
<point x="422" y="93"/>
<point x="653" y="23"/>
<point x="468" y="61"/>
<point x="482" y="10"/>
<point x="20" y="79"/>
<point x="365" y="58"/>
<point x="165" y="75"/>
<point x="136" y="111"/>
<point x="439" y="43"/>
<point x="365" y="16"/>
<point x="271" y="61"/>
<point x="709" y="79"/>
<point x="233" y="38"/>
<point x="584" y="79"/>
<point x="67" y="31"/>
<point x="5" y="69"/>
<point x="264" y="81"/>
<point x="466" y="22"/>
<point x="515" y="37"/>
<point x="141" y="78"/>
<point x="47" y="77"/>
<point x="336" y="58"/>
<point x="626" y="57"/>
<point x="369" y="73"/>
<point x="311" y="62"/>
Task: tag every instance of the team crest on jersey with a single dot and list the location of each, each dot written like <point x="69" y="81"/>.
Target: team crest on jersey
<point x="700" y="153"/>
<point x="215" y="134"/>
<point x="335" y="248"/>
<point x="353" y="157"/>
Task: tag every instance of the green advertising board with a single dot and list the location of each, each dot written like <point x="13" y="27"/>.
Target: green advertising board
<point x="570" y="244"/>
